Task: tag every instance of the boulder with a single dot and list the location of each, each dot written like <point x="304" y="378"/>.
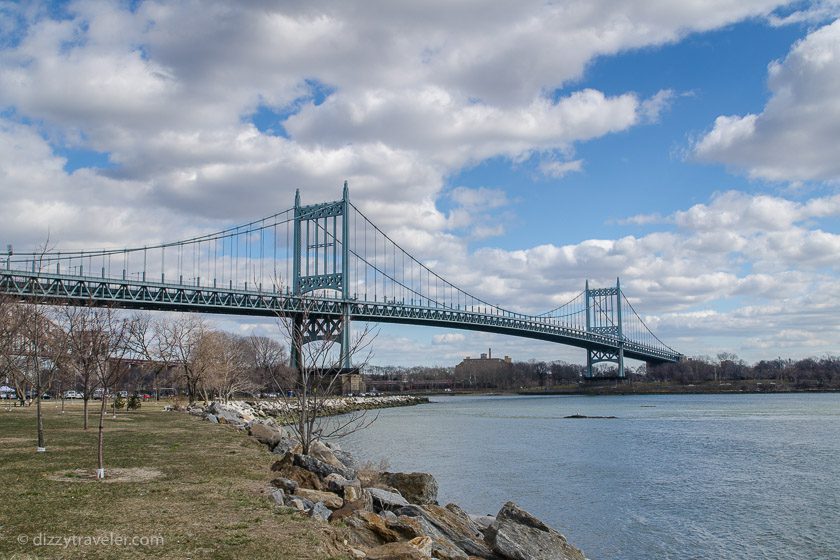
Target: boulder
<point x="483" y="521"/>
<point x="382" y="499"/>
<point x="323" y="453"/>
<point x="448" y="525"/>
<point x="347" y="509"/>
<point x="352" y="493"/>
<point x="518" y="535"/>
<point x="211" y="418"/>
<point x="419" y="548"/>
<point x="231" y="413"/>
<point x="368" y="530"/>
<point x="285" y="446"/>
<point x="319" y="467"/>
<point x="298" y="504"/>
<point x="285" y="484"/>
<point x="265" y="434"/>
<point x="417" y="488"/>
<point x="346" y="459"/>
<point x="301" y="476"/>
<point x="335" y="483"/>
<point x="442" y="547"/>
<point x="320" y="511"/>
<point x="279" y="497"/>
<point x="332" y="501"/>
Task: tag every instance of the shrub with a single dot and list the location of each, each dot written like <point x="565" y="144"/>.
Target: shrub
<point x="133" y="402"/>
<point x="119" y="402"/>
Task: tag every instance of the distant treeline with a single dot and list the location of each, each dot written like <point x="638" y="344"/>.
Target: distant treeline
<point x="806" y="374"/>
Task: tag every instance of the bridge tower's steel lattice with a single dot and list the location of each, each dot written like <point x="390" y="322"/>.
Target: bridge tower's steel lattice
<point x="603" y="316"/>
<point x="320" y="263"/>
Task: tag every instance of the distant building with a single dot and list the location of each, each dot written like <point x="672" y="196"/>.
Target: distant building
<point x="352" y="382"/>
<point x="485" y="371"/>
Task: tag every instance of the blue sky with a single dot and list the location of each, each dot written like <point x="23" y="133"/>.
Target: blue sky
<point x="689" y="149"/>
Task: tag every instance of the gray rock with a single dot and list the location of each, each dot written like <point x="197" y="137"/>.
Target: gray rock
<point x="305" y="504"/>
<point x="336" y="483"/>
<point x="449" y="525"/>
<point x="347" y="460"/>
<point x="320" y="511"/>
<point x="229" y="417"/>
<point x="518" y="535"/>
<point x="285" y="484"/>
<point x="265" y="434"/>
<point x="211" y="418"/>
<point x="320" y="451"/>
<point x="483" y="521"/>
<point x="319" y="467"/>
<point x="279" y="496"/>
<point x="417" y="488"/>
<point x="284" y="446"/>
<point x="298" y="504"/>
<point x="382" y="499"/>
<point x="389" y="516"/>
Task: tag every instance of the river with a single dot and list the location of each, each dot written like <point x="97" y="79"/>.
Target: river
<point x="672" y="477"/>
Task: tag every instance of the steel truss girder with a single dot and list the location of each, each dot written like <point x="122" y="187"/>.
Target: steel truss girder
<point x="322" y="328"/>
<point x="321" y="282"/>
<point x="60" y="289"/>
<point x="599" y="356"/>
<point x="322" y="210"/>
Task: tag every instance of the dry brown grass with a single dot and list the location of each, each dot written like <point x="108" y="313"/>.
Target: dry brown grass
<point x="208" y="497"/>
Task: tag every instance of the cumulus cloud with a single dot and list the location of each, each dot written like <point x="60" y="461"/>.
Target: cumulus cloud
<point x="794" y="137"/>
<point x="397" y="98"/>
<point x="558" y="169"/>
<point x="448" y="338"/>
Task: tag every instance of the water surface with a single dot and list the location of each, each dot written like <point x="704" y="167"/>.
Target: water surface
<point x="673" y="477"/>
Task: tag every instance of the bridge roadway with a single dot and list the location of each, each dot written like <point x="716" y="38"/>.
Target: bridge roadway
<point x="130" y="294"/>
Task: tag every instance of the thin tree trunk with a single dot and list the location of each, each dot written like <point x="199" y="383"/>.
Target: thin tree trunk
<point x="41" y="446"/>
<point x="85" y="406"/>
<point x="38" y="390"/>
<point x="100" y="472"/>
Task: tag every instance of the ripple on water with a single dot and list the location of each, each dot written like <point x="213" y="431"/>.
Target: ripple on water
<point x="685" y="476"/>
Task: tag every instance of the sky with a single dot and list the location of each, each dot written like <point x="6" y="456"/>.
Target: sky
<point x="689" y="148"/>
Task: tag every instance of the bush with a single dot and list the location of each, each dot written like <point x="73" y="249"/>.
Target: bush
<point x="133" y="402"/>
<point x="119" y="402"/>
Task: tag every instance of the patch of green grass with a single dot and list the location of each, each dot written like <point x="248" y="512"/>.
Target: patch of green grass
<point x="211" y="501"/>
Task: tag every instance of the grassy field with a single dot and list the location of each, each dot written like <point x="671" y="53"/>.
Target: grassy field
<point x="198" y="487"/>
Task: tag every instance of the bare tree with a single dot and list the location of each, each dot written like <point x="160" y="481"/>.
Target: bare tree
<point x="318" y="378"/>
<point x="111" y="368"/>
<point x="225" y="360"/>
<point x="87" y="348"/>
<point x="180" y="339"/>
<point x="270" y="362"/>
<point x="12" y="366"/>
<point x="148" y="341"/>
<point x="31" y="349"/>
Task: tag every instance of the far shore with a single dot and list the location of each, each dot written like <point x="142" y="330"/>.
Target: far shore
<point x="625" y="387"/>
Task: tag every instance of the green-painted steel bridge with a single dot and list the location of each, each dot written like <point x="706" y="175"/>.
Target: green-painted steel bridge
<point x="323" y="266"/>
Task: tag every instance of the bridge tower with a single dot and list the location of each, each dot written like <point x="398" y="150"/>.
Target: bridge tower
<point x="603" y="316"/>
<point x="320" y="261"/>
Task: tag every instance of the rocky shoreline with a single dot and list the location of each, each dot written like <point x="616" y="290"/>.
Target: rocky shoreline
<point x="383" y="515"/>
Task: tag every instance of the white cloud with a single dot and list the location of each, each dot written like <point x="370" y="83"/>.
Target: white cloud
<point x="558" y="169"/>
<point x="794" y="137"/>
<point x="418" y="92"/>
<point x="448" y="338"/>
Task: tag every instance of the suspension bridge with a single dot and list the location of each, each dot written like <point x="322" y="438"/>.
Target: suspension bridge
<point x="322" y="265"/>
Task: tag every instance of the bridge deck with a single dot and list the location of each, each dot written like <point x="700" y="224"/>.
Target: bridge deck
<point x="130" y="294"/>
